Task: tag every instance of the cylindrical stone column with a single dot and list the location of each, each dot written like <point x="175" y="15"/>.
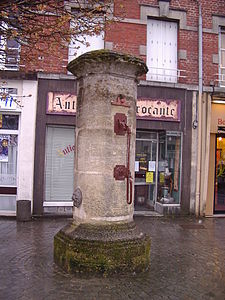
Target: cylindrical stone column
<point x="107" y="85"/>
<point x="104" y="162"/>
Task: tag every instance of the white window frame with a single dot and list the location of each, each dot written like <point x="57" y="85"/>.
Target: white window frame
<point x="12" y="132"/>
<point x="76" y="48"/>
<point x="3" y="64"/>
<point x="221" y="75"/>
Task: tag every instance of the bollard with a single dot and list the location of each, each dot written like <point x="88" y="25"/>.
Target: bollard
<point x="23" y="210"/>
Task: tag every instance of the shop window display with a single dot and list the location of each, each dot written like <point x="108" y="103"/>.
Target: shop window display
<point x="157" y="169"/>
<point x="8" y="149"/>
<point x="169" y="168"/>
<point x="145" y="170"/>
<point x="219" y="203"/>
<point x="8" y="159"/>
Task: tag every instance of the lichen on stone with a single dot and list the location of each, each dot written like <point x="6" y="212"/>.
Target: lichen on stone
<point x="107" y="56"/>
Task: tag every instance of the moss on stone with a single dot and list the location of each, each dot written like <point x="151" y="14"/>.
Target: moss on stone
<point x="76" y="254"/>
<point x="98" y="56"/>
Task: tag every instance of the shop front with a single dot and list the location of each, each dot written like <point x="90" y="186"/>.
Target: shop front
<point x="163" y="150"/>
<point x="17" y="134"/>
<point x="9" y="129"/>
<point x="158" y="169"/>
<point x="163" y="142"/>
<point x="54" y="150"/>
<point x="215" y="204"/>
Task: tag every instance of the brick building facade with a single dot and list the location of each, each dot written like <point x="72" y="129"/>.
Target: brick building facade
<point x="179" y="159"/>
<point x="129" y="35"/>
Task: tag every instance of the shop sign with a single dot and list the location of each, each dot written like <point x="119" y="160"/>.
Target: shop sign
<point x="162" y="110"/>
<point x="217" y="117"/>
<point x="61" y="103"/>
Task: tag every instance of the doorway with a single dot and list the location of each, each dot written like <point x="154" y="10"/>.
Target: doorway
<point x="158" y="171"/>
<point x="219" y="195"/>
<point x="145" y="170"/>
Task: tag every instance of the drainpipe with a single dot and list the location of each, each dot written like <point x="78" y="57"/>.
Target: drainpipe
<point x="200" y="82"/>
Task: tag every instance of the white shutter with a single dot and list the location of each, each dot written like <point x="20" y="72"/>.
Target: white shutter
<point x="96" y="42"/>
<point x="162" y="50"/>
<point x="59" y="164"/>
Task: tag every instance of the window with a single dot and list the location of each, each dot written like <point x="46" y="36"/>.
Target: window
<point x="91" y="42"/>
<point x="158" y="164"/>
<point x="162" y="51"/>
<point x="95" y="42"/>
<point x="59" y="166"/>
<point x="8" y="149"/>
<point x="9" y="130"/>
<point x="169" y="168"/>
<point x="9" y="54"/>
<point x="8" y="161"/>
<point x="222" y="57"/>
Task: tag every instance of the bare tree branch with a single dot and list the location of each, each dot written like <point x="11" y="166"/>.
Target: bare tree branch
<point x="40" y="24"/>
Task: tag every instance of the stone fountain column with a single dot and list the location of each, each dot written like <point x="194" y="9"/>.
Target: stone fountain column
<point x="103" y="236"/>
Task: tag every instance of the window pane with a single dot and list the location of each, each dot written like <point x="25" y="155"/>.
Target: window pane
<point x="9" y="55"/>
<point x="220" y="175"/>
<point x="169" y="169"/>
<point x="12" y="44"/>
<point x="8" y="203"/>
<point x="146" y="135"/>
<point x="145" y="173"/>
<point x="59" y="168"/>
<point x="222" y="60"/>
<point x="9" y="121"/>
<point x="8" y="159"/>
<point x="87" y="42"/>
<point x="223" y="40"/>
<point x="223" y="50"/>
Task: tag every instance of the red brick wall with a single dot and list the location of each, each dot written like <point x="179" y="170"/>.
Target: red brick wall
<point x="47" y="61"/>
<point x="127" y="37"/>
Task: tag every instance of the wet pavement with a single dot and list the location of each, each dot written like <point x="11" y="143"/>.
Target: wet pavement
<point x="187" y="262"/>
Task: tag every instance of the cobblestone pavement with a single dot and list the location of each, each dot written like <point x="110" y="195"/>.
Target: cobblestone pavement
<point x="187" y="262"/>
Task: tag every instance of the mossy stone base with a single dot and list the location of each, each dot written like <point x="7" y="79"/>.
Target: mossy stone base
<point x="105" y="249"/>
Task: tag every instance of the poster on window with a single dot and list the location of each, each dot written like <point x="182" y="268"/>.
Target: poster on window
<point x="4" y="143"/>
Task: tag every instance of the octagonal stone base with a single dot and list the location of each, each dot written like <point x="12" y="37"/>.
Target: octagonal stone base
<point x="104" y="249"/>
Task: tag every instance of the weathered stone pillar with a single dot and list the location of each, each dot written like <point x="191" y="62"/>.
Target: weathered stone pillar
<point x="103" y="237"/>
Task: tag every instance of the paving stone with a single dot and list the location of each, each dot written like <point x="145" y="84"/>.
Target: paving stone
<point x="187" y="263"/>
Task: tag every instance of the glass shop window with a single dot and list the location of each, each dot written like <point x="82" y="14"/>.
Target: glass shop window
<point x="9" y="122"/>
<point x="8" y="149"/>
<point x="169" y="168"/>
<point x="8" y="159"/>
